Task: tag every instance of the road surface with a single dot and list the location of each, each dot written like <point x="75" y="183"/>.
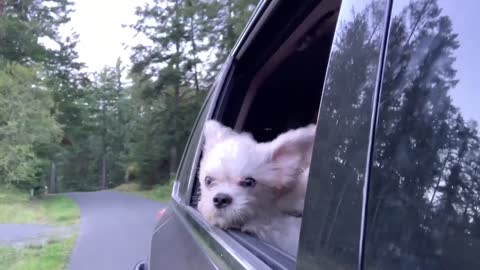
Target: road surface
<point x="115" y="230"/>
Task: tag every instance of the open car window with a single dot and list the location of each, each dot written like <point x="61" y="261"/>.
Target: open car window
<point x="276" y="88"/>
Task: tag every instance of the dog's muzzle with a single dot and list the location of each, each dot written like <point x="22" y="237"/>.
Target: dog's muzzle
<point x="222" y="200"/>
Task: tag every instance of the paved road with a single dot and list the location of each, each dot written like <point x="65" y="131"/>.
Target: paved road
<point x="31" y="234"/>
<point x="115" y="230"/>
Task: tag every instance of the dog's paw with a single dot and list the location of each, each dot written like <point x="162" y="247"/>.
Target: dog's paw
<point x="249" y="230"/>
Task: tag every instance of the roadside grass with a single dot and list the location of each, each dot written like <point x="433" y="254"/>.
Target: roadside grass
<point x="61" y="210"/>
<point x="52" y="256"/>
<point x="17" y="207"/>
<point x="158" y="192"/>
<point x="55" y="210"/>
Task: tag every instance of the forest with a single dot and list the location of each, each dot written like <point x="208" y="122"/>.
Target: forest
<point x="64" y="127"/>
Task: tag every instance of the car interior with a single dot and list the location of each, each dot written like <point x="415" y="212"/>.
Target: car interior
<point x="276" y="85"/>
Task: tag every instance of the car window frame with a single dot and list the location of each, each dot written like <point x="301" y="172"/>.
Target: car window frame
<point x="371" y="139"/>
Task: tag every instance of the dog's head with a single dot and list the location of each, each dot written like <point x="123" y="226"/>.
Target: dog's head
<point x="240" y="178"/>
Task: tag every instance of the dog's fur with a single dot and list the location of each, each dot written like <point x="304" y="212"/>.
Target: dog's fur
<point x="280" y="170"/>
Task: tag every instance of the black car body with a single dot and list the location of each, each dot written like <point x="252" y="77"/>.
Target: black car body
<point x="395" y="175"/>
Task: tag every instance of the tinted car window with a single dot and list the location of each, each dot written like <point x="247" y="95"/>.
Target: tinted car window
<point x="424" y="199"/>
<point x="333" y="210"/>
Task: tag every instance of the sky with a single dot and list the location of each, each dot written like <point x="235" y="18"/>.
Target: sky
<point x="466" y="94"/>
<point x="99" y="24"/>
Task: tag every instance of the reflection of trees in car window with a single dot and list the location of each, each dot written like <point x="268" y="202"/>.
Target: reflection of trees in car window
<point x="331" y="227"/>
<point x="424" y="200"/>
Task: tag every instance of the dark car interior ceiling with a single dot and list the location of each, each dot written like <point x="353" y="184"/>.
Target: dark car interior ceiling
<point x="285" y="92"/>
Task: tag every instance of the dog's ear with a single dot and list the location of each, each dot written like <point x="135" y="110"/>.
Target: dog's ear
<point x="290" y="153"/>
<point x="290" y="148"/>
<point x="214" y="132"/>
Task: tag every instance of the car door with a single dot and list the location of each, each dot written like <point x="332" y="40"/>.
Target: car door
<point x="423" y="202"/>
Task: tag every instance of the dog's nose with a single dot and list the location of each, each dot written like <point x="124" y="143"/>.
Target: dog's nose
<point x="222" y="200"/>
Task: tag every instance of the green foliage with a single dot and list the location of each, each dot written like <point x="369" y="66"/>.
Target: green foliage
<point x="72" y="131"/>
<point x="161" y="192"/>
<point x="157" y="192"/>
<point x="61" y="210"/>
<point x="51" y="92"/>
<point x="52" y="256"/>
<point x="227" y="19"/>
<point x="162" y="124"/>
<point x="171" y="78"/>
<point x="17" y="207"/>
<point x="105" y="116"/>
<point x="26" y="125"/>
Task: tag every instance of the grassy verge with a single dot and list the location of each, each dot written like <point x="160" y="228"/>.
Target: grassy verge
<point x="16" y="207"/>
<point x="158" y="192"/>
<point x="52" y="256"/>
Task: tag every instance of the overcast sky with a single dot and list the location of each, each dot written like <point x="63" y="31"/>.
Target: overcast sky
<point x="466" y="94"/>
<point x="99" y="24"/>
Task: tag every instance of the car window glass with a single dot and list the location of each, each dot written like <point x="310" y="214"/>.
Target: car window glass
<point x="424" y="198"/>
<point x="332" y="216"/>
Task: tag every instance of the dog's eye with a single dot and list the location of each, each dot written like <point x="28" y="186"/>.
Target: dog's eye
<point x="208" y="181"/>
<point x="248" y="182"/>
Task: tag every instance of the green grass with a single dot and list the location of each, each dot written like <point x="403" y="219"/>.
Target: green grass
<point x="16" y="207"/>
<point x="158" y="192"/>
<point x="61" y="210"/>
<point x="52" y="256"/>
<point x="128" y="187"/>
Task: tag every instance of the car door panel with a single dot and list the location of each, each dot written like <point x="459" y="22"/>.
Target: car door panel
<point x="172" y="247"/>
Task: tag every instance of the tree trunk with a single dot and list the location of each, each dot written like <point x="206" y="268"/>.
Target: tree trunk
<point x="174" y="148"/>
<point x="2" y="7"/>
<point x="53" y="179"/>
<point x="104" y="172"/>
<point x="195" y="54"/>
<point x="173" y="161"/>
<point x="103" y="179"/>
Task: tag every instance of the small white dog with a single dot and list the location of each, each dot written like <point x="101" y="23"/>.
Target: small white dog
<point x="255" y="187"/>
